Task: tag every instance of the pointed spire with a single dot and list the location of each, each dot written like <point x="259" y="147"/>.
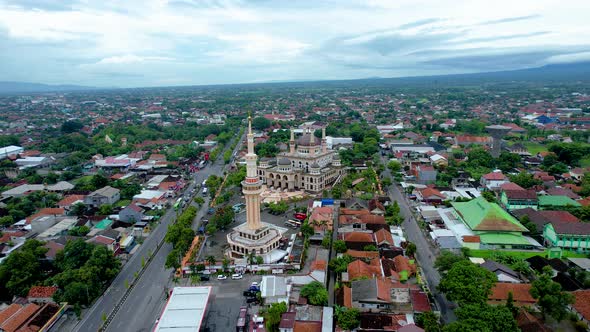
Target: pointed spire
<point x="249" y="124"/>
<point x="292" y="135"/>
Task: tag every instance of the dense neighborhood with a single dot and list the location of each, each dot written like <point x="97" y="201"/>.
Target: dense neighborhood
<point x="382" y="209"/>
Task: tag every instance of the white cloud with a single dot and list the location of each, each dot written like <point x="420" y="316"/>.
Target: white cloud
<point x="247" y="40"/>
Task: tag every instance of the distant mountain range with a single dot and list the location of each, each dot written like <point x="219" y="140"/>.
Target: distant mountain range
<point x="26" y="87"/>
<point x="567" y="72"/>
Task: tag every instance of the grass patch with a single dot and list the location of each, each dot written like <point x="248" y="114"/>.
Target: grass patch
<point x="484" y="253"/>
<point x="83" y="180"/>
<point x="123" y="202"/>
<point x="534" y="148"/>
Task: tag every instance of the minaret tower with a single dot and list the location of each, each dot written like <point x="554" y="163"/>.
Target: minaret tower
<point x="324" y="142"/>
<point x="252" y="186"/>
<point x="292" y="142"/>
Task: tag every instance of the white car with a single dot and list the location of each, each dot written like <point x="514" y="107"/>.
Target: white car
<point x="236" y="276"/>
<point x="221" y="277"/>
<point x="255" y="284"/>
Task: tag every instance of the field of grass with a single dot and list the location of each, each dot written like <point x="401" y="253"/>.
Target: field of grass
<point x="483" y="253"/>
<point x="534" y="148"/>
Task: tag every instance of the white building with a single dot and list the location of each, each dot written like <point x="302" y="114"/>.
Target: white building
<point x="10" y="150"/>
<point x="185" y="310"/>
<point x="274" y="289"/>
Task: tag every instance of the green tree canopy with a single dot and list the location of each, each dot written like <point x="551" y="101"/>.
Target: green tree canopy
<point x="316" y="293"/>
<point x="260" y="123"/>
<point x="525" y="180"/>
<point x="467" y="283"/>
<point x="550" y="297"/>
<point x="445" y="261"/>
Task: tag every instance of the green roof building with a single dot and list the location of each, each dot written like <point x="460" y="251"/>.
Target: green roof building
<point x="550" y="202"/>
<point x="495" y="227"/>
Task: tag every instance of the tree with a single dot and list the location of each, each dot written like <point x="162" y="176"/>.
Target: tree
<point x="347" y="318"/>
<point x="78" y="209"/>
<point x="307" y="230"/>
<point x="211" y="260"/>
<point x="489" y="196"/>
<point x="480" y="157"/>
<point x="273" y="315"/>
<point x="326" y="241"/>
<point x="278" y="208"/>
<point x="316" y="293"/>
<point x="258" y="260"/>
<point x="105" y="209"/>
<point x="483" y="317"/>
<point x="199" y="200"/>
<point x="173" y="259"/>
<point x="525" y="180"/>
<point x="79" y="230"/>
<point x="445" y="261"/>
<point x="510" y="305"/>
<point x="429" y="321"/>
<point x="71" y="126"/>
<point x="552" y="300"/>
<point x="260" y="123"/>
<point x="98" y="181"/>
<point x="370" y="247"/>
<point x="526" y="222"/>
<point x="411" y="249"/>
<point x="6" y="221"/>
<point x="394" y="166"/>
<point x="340" y="264"/>
<point x="467" y="283"/>
<point x="340" y="246"/>
<point x="22" y="268"/>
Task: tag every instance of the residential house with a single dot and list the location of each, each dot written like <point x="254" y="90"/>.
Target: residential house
<point x="430" y="195"/>
<point x="41" y="294"/>
<point x="322" y="219"/>
<point x="131" y="214"/>
<point x="493" y="180"/>
<point x="581" y="304"/>
<point x="425" y="174"/>
<point x="543" y="217"/>
<point x="573" y="236"/>
<point x="358" y="240"/>
<point x="560" y="191"/>
<point x="69" y="201"/>
<point x="503" y="272"/>
<point x="274" y="289"/>
<point x="383" y="238"/>
<point x="519" y="199"/>
<point x="108" y="242"/>
<point x="518" y="149"/>
<point x="376" y="208"/>
<point x="106" y="195"/>
<point x="520" y="293"/>
<point x="359" y="270"/>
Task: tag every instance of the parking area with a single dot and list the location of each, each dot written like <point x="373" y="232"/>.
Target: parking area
<point x="225" y="302"/>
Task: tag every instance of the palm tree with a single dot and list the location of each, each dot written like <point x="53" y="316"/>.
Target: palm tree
<point x="210" y="260"/>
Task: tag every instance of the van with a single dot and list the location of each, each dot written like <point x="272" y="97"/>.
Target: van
<point x="236" y="276"/>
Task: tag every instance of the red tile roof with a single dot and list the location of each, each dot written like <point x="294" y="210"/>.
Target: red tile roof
<point x="362" y="254"/>
<point x="384" y="289"/>
<point x="383" y="236"/>
<point x="307" y="326"/>
<point x="419" y="301"/>
<point x="511" y="186"/>
<point x="69" y="200"/>
<point x="46" y="212"/>
<point x="372" y="219"/>
<point x="559" y="215"/>
<point x="41" y="291"/>
<point x="8" y="312"/>
<point x="360" y="269"/>
<point x="520" y="292"/>
<point x="429" y="192"/>
<point x="15" y="321"/>
<point x="53" y="247"/>
<point x="471" y="238"/>
<point x="319" y="264"/>
<point x="347" y="296"/>
<point x="358" y="237"/>
<point x="521" y="194"/>
<point x="582" y="303"/>
<point x="495" y="176"/>
<point x="402" y="263"/>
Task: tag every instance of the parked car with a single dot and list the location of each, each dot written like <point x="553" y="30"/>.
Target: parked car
<point x="254" y="289"/>
<point x="300" y="216"/>
<point x="221" y="277"/>
<point x="254" y="283"/>
<point x="211" y="211"/>
<point x="236" y="276"/>
<point x="250" y="293"/>
<point x="205" y="277"/>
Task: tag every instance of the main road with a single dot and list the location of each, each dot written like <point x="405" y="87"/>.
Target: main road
<point x="424" y="251"/>
<point x="146" y="299"/>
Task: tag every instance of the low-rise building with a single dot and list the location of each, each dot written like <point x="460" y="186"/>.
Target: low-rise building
<point x="274" y="289"/>
<point x="519" y="199"/>
<point x="573" y="236"/>
<point x="106" y="195"/>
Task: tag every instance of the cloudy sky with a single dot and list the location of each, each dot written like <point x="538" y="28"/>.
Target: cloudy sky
<point x="129" y="43"/>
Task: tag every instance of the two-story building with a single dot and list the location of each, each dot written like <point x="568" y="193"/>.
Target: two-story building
<point x="106" y="195"/>
<point x="519" y="199"/>
<point x="574" y="236"/>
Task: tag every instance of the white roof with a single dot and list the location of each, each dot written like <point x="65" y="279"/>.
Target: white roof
<point x="58" y="228"/>
<point x="273" y="286"/>
<point x="149" y="194"/>
<point x="477" y="260"/>
<point x="185" y="309"/>
<point x="10" y="149"/>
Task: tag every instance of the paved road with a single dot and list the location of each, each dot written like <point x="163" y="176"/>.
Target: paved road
<point x="146" y="300"/>
<point x="424" y="252"/>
